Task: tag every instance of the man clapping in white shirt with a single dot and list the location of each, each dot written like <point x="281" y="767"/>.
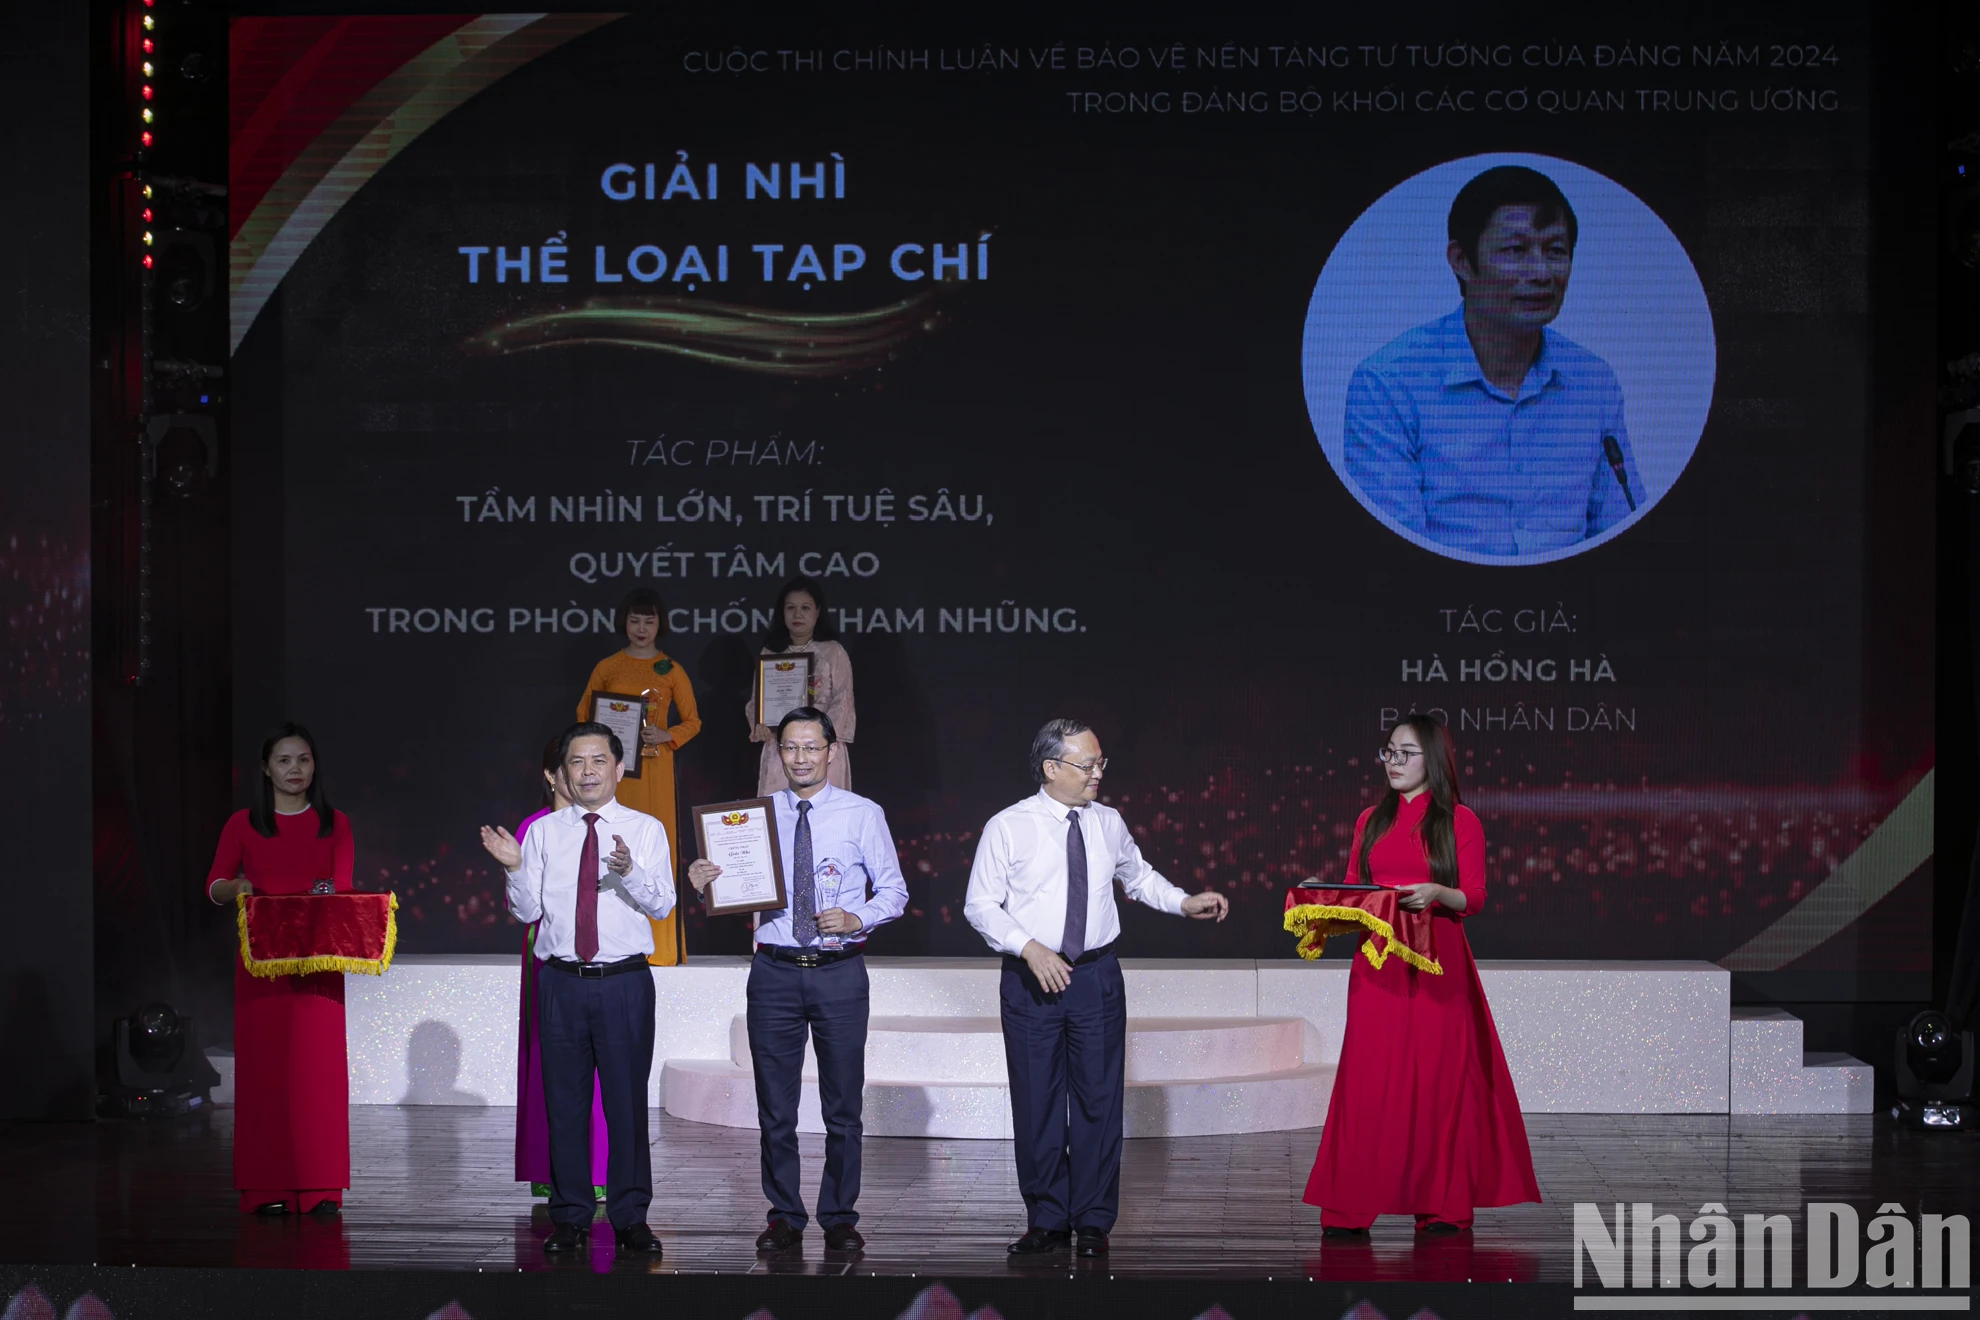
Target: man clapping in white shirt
<point x="595" y="1000"/>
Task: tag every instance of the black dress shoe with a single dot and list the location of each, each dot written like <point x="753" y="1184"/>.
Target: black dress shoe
<point x="636" y="1237"/>
<point x="1091" y="1242"/>
<point x="1439" y="1228"/>
<point x="324" y="1209"/>
<point x="843" y="1239"/>
<point x="272" y="1208"/>
<point x="1038" y="1241"/>
<point x="565" y="1238"/>
<point x="1335" y="1231"/>
<point x="779" y="1236"/>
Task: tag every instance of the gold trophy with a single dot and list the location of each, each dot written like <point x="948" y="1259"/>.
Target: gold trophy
<point x="646" y="719"/>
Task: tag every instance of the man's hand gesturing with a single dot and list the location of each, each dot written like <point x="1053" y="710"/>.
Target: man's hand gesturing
<point x="502" y="846"/>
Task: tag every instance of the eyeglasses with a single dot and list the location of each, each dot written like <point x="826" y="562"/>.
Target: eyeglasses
<point x="1098" y="767"/>
<point x="1397" y="755"/>
<point x="804" y="749"/>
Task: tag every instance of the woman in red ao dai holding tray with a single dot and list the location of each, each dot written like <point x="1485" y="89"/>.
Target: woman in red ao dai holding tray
<point x="1423" y="1118"/>
<point x="292" y="1119"/>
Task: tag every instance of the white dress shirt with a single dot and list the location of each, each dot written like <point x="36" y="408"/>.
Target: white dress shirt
<point x="545" y="887"/>
<point x="1017" y="887"/>
<point x="850" y="847"/>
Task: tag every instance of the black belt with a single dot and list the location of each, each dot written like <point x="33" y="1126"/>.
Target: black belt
<point x="809" y="957"/>
<point x="1091" y="955"/>
<point x="593" y="970"/>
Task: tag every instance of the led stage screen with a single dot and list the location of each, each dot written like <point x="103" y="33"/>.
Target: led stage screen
<point x="1231" y="392"/>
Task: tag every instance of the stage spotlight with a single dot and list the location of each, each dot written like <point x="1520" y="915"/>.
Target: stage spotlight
<point x="1933" y="1053"/>
<point x="184" y="451"/>
<point x="1934" y="1074"/>
<point x="189" y="318"/>
<point x="158" y="1038"/>
<point x="160" y="1071"/>
<point x="184" y="279"/>
<point x="182" y="463"/>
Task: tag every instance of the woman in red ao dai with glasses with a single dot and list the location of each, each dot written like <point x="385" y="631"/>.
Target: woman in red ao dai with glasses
<point x="1423" y="1119"/>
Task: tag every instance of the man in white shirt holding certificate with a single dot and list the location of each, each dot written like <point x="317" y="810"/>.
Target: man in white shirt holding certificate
<point x="592" y="874"/>
<point x="1042" y="893"/>
<point x="808" y="978"/>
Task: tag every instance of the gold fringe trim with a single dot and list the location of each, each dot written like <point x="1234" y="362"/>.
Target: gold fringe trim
<point x="270" y="968"/>
<point x="1316" y="923"/>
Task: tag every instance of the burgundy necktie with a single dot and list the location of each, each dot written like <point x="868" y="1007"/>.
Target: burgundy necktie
<point x="587" y="892"/>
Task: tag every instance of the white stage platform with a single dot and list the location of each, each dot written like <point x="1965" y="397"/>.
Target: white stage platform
<point x="1215" y="1045"/>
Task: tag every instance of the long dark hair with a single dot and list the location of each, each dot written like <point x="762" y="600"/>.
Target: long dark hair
<point x="262" y="814"/>
<point x="553" y="754"/>
<point x="1438" y="836"/>
<point x="779" y="637"/>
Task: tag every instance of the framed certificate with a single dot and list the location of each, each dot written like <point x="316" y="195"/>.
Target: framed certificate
<point x="741" y="838"/>
<point x="623" y="715"/>
<point x="783" y="683"/>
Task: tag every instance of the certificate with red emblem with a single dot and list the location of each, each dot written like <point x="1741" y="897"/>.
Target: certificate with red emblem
<point x="741" y="838"/>
<point x="625" y="716"/>
<point x="783" y="683"/>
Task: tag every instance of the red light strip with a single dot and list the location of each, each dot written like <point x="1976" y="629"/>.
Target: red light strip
<point x="146" y="117"/>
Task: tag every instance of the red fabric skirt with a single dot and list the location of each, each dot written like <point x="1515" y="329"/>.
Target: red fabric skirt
<point x="292" y="1090"/>
<point x="1423" y="1118"/>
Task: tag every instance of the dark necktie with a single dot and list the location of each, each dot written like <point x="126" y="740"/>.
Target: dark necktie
<point x="1074" y="943"/>
<point x="587" y="892"/>
<point x="804" y="899"/>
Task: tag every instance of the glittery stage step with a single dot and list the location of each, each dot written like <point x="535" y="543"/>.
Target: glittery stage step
<point x="1771" y="1074"/>
<point x="971" y="1049"/>
<point x="722" y="1092"/>
<point x="1580" y="1037"/>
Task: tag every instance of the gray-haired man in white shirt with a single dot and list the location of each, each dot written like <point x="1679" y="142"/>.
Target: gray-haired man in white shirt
<point x="1042" y="893"/>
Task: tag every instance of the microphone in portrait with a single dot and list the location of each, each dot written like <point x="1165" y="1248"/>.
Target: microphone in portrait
<point x="1612" y="449"/>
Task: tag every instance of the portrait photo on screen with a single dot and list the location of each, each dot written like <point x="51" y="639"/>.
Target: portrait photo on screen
<point x="1508" y="359"/>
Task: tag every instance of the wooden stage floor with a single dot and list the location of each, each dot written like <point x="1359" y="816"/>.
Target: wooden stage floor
<point x="433" y="1192"/>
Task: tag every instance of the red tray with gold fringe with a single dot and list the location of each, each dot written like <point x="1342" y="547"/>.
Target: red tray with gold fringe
<point x="298" y="934"/>
<point x="1317" y="914"/>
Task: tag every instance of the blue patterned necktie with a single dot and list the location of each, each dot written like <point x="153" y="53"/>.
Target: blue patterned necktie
<point x="804" y="896"/>
<point x="1074" y="943"/>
